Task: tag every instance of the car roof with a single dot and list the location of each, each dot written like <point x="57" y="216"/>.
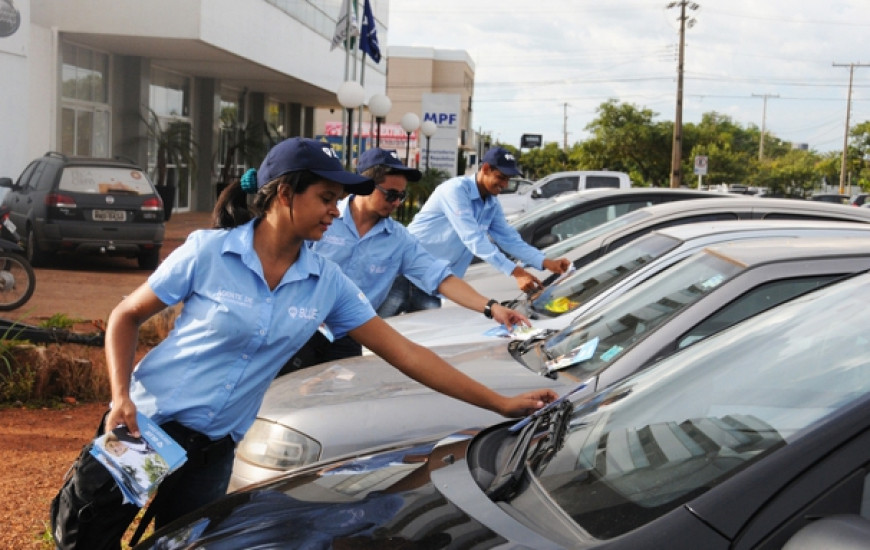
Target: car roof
<point x="752" y="252"/>
<point x="92" y="161"/>
<point x="702" y="229"/>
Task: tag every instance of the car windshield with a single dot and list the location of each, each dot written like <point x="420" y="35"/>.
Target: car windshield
<point x="527" y="218"/>
<point x="591" y="345"/>
<point x="103" y="180"/>
<point x="655" y="440"/>
<point x="563" y="247"/>
<point x="568" y="294"/>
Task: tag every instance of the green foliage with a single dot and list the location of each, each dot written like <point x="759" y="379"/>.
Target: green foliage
<point x="59" y="320"/>
<point x="628" y="138"/>
<point x="418" y="193"/>
<point x="174" y="145"/>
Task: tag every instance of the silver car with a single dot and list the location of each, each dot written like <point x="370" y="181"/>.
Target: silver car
<point x="602" y="280"/>
<point x="347" y="406"/>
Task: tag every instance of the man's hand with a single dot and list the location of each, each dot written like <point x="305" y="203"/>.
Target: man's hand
<point x="508" y="317"/>
<point x="527" y="282"/>
<point x="123" y="413"/>
<point x="527" y="403"/>
<point x="558" y="265"/>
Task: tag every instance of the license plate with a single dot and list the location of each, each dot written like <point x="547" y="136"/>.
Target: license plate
<point x="110" y="215"/>
<point x="7" y="223"/>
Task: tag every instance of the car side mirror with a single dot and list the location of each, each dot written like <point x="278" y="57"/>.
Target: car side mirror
<point x="6" y="182"/>
<point x="546" y="240"/>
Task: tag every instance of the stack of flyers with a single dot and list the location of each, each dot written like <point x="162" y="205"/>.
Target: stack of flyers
<point x="138" y="464"/>
<point x="518" y="332"/>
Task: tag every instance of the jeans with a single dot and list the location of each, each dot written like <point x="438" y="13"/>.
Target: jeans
<point x="406" y="297"/>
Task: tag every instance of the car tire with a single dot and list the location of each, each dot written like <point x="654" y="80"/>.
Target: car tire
<point x="149" y="259"/>
<point x="32" y="253"/>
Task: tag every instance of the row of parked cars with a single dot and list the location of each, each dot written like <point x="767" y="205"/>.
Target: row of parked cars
<point x="714" y="372"/>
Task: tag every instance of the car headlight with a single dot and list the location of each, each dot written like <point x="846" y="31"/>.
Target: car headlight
<point x="274" y="446"/>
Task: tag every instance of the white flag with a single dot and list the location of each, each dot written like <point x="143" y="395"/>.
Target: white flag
<point x="341" y="27"/>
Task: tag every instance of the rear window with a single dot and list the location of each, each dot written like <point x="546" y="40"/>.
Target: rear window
<point x="103" y="180"/>
<point x="598" y="182"/>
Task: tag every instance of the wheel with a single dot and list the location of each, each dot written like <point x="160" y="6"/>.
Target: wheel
<point x="149" y="259"/>
<point x="32" y="253"/>
<point x="17" y="281"/>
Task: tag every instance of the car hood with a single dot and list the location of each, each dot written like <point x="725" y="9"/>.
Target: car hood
<point x="379" y="499"/>
<point x="351" y="404"/>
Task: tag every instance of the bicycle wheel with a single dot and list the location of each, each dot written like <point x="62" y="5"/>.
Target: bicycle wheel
<point x="17" y="281"/>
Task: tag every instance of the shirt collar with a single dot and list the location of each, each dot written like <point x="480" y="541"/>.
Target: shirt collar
<point x="241" y="241"/>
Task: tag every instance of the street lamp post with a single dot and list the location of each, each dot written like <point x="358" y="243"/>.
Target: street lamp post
<point x="410" y="122"/>
<point x="428" y="128"/>
<point x="350" y="95"/>
<point x="379" y="105"/>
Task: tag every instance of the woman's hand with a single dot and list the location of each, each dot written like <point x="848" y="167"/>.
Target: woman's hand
<point x="527" y="403"/>
<point x="123" y="413"/>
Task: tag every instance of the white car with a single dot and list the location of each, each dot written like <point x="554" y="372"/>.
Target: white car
<point x="549" y="186"/>
<point x="606" y="278"/>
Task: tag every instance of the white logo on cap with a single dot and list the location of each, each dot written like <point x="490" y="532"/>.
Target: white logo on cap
<point x="394" y="155"/>
<point x="330" y="152"/>
<point x="510" y="157"/>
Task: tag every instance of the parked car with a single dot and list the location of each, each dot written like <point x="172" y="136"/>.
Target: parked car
<point x="860" y="199"/>
<point x="567" y="215"/>
<point x="336" y="408"/>
<point x="559" y="183"/>
<point x="831" y="197"/>
<point x="604" y="279"/>
<point x="756" y="438"/>
<point x="83" y="205"/>
<point x="593" y="243"/>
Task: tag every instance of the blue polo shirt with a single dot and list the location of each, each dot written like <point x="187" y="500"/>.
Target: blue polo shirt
<point x="456" y="224"/>
<point x="373" y="260"/>
<point x="234" y="333"/>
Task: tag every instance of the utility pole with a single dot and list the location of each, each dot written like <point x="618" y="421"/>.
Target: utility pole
<point x="565" y="126"/>
<point x="677" y="144"/>
<point x="763" y="119"/>
<point x="846" y="132"/>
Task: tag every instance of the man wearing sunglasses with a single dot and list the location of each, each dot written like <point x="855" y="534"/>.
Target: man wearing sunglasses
<point x="372" y="249"/>
<point x="462" y="219"/>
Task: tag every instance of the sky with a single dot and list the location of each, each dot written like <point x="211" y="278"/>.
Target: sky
<point x="544" y="67"/>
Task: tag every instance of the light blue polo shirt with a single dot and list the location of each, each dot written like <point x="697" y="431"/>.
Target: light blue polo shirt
<point x="373" y="261"/>
<point x="234" y="334"/>
<point x="456" y="224"/>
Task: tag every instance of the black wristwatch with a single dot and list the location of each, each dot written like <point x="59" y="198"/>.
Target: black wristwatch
<point x="487" y="310"/>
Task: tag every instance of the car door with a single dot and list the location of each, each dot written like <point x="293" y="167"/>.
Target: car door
<point x="20" y="198"/>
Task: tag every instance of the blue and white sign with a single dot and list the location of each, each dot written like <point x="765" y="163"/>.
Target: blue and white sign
<point x="443" y="110"/>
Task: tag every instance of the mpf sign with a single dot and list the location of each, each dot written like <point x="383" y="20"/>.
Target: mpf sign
<point x="443" y="110"/>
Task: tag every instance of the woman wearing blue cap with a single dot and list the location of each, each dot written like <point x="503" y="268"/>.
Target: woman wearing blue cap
<point x="253" y="293"/>
<point x="372" y="249"/>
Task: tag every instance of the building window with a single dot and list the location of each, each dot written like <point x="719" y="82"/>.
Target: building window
<point x="85" y="109"/>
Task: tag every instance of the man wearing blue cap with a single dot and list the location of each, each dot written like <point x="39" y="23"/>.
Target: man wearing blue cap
<point x="372" y="249"/>
<point x="462" y="219"/>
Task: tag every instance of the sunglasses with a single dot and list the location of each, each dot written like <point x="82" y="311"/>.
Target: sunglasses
<point x="392" y="195"/>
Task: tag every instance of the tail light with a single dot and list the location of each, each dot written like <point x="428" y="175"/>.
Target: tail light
<point x="154" y="204"/>
<point x="59" y="200"/>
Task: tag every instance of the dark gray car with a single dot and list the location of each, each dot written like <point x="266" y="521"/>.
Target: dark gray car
<point x="85" y="205"/>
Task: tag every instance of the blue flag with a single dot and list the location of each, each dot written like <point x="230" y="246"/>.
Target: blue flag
<point x="368" y="41"/>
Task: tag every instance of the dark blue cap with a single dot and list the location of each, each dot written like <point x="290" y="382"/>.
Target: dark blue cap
<point x="502" y="160"/>
<point x="298" y="153"/>
<point x="386" y="157"/>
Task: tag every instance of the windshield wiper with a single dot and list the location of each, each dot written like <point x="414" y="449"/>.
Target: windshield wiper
<point x="541" y="434"/>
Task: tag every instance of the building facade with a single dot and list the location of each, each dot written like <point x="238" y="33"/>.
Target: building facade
<point x="86" y="78"/>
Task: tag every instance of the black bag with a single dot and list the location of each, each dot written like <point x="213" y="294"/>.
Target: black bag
<point x="87" y="512"/>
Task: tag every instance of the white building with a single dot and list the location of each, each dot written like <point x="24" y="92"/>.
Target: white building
<point x="79" y="77"/>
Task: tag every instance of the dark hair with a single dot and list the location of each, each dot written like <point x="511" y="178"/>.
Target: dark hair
<point x="233" y="207"/>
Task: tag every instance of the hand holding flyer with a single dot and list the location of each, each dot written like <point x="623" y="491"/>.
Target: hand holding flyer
<point x="138" y="464"/>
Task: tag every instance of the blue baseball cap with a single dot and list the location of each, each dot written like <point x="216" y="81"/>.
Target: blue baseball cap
<point x="298" y="153"/>
<point x="502" y="160"/>
<point x="386" y="157"/>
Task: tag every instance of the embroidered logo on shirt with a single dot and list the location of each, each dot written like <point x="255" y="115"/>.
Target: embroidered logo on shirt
<point x="362" y="297"/>
<point x="333" y="239"/>
<point x="230" y="296"/>
<point x="377" y="269"/>
<point x="302" y="312"/>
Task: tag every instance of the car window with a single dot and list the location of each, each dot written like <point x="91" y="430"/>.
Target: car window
<point x="660" y="438"/>
<point x="597" y="182"/>
<point x="104" y="180"/>
<point x="560" y="249"/>
<point x="593" y="278"/>
<point x="557" y="186"/>
<point x="586" y="347"/>
<point x="592" y="218"/>
<point x="756" y="300"/>
<point x="27" y="175"/>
